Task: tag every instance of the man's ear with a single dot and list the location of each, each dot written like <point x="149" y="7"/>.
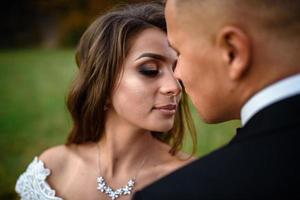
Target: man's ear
<point x="236" y="50"/>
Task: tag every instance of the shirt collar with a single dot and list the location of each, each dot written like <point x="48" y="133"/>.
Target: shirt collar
<point x="278" y="91"/>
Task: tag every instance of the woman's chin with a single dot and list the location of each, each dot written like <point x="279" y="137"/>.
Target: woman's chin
<point x="163" y="127"/>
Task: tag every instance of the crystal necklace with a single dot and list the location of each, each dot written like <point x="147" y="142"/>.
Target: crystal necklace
<point x="108" y="190"/>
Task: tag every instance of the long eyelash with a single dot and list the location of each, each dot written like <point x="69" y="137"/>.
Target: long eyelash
<point x="147" y="72"/>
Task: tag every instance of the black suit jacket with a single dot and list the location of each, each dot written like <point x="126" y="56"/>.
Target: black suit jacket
<point x="261" y="161"/>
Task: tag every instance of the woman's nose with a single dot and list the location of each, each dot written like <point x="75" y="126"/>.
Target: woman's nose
<point x="171" y="86"/>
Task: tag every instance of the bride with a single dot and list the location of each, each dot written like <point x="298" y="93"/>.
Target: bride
<point x="129" y="113"/>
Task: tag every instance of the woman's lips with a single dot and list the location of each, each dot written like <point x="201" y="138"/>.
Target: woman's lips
<point x="169" y="109"/>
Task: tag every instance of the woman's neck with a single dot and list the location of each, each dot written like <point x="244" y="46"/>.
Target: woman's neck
<point x="123" y="149"/>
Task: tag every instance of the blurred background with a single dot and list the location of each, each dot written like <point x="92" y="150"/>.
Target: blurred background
<point x="37" y="65"/>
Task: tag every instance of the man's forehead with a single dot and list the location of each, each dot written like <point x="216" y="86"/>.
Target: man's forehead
<point x="174" y="12"/>
<point x="186" y="8"/>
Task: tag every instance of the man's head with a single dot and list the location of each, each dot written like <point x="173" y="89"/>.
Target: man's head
<point x="230" y="49"/>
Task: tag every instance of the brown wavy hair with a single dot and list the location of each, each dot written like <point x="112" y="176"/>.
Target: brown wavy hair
<point x="99" y="56"/>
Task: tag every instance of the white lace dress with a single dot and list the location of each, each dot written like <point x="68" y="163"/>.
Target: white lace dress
<point x="32" y="184"/>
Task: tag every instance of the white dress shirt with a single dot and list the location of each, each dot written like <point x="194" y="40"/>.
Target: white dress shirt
<point x="282" y="89"/>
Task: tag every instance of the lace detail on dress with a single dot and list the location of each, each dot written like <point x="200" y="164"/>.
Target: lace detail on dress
<point x="32" y="184"/>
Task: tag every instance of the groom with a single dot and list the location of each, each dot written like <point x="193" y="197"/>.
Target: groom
<point x="239" y="59"/>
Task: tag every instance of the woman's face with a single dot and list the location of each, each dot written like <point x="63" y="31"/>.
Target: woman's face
<point x="147" y="94"/>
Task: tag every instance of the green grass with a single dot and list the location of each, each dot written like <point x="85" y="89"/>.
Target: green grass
<point x="33" y="116"/>
<point x="33" y="86"/>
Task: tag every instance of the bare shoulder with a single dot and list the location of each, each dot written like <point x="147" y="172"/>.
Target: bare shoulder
<point x="183" y="158"/>
<point x="162" y="163"/>
<point x="63" y="162"/>
<point x="55" y="158"/>
<point x="174" y="162"/>
<point x="60" y="157"/>
<point x="186" y="157"/>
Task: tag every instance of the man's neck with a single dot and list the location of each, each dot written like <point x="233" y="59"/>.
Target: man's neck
<point x="275" y="92"/>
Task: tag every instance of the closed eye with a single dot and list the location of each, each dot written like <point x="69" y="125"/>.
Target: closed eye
<point x="148" y="71"/>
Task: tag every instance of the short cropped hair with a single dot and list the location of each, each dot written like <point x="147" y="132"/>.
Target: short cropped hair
<point x="276" y="16"/>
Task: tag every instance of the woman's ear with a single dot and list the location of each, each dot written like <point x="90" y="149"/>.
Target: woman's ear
<point x="107" y="104"/>
<point x="236" y="50"/>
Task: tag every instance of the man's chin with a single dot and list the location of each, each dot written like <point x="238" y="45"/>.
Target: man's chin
<point x="209" y="118"/>
<point x="213" y="118"/>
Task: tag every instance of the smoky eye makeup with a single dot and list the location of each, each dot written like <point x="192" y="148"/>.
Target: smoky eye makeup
<point x="149" y="70"/>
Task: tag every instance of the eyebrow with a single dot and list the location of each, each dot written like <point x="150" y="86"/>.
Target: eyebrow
<point x="157" y="57"/>
<point x="152" y="55"/>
